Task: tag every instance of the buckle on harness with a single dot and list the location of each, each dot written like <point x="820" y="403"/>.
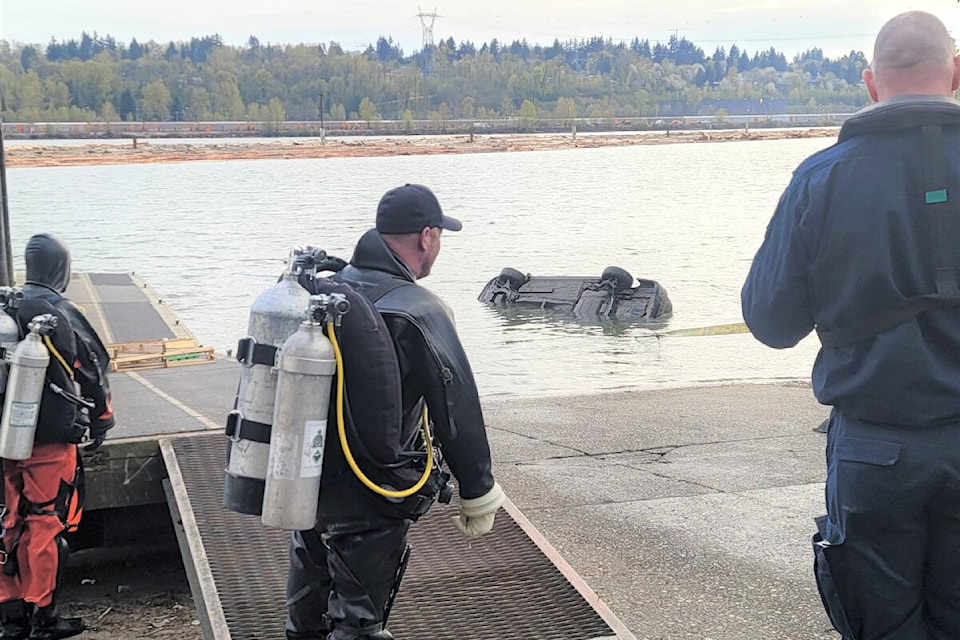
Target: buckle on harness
<point x="239" y="428"/>
<point x="245" y="351"/>
<point x="251" y="352"/>
<point x="233" y="425"/>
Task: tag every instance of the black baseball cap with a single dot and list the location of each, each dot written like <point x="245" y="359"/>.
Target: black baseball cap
<point x="410" y="208"/>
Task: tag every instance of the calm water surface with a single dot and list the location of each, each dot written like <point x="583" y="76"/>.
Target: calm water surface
<point x="210" y="236"/>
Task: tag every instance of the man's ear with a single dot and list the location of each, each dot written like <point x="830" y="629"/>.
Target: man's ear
<point x="424" y="238"/>
<point x="870" y="80"/>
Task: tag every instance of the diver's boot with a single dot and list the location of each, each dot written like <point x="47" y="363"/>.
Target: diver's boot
<point x="14" y="622"/>
<point x="317" y="634"/>
<point x="342" y="634"/>
<point x="47" y="625"/>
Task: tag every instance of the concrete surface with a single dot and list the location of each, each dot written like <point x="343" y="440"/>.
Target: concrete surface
<point x="688" y="511"/>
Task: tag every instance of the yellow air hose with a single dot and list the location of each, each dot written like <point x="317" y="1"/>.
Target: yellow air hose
<point x="56" y="354"/>
<point x="341" y="429"/>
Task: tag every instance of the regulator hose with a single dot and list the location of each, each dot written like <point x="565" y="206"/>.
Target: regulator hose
<point x="56" y="354"/>
<point x="342" y="431"/>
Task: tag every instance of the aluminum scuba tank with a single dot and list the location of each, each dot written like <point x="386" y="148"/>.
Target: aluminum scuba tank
<point x="274" y="316"/>
<point x="307" y="366"/>
<point x="21" y="403"/>
<point x="10" y="298"/>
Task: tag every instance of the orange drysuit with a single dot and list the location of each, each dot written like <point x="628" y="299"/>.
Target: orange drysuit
<point x="32" y="522"/>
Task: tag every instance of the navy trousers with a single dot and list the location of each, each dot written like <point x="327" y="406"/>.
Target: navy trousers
<point x="887" y="554"/>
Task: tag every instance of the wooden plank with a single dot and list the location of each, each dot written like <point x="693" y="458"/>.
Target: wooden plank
<point x="150" y="346"/>
<point x="175" y="358"/>
<point x="175" y="353"/>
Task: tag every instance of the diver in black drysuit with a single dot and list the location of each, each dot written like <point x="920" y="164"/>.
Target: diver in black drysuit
<point x="356" y="548"/>
<point x="47" y="261"/>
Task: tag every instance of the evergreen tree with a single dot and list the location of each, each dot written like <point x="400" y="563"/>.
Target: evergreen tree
<point x="134" y="51"/>
<point x="87" y="49"/>
<point x="28" y="57"/>
<point x="127" y="107"/>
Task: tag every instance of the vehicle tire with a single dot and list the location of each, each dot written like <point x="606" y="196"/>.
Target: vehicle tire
<point x="622" y="279"/>
<point x="513" y="278"/>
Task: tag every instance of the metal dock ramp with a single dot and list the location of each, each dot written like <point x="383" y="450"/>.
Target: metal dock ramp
<point x="510" y="584"/>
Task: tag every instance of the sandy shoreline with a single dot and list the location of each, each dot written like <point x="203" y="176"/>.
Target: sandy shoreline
<point x="45" y="154"/>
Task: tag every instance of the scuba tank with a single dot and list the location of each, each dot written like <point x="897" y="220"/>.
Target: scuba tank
<point x="21" y="404"/>
<point x="274" y="316"/>
<point x="307" y="365"/>
<point x="10" y="298"/>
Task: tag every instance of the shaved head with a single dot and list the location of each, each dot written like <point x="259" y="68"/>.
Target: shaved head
<point x="913" y="54"/>
<point x="912" y="38"/>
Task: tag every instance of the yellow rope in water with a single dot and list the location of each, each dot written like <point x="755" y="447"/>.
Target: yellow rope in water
<point x="713" y="330"/>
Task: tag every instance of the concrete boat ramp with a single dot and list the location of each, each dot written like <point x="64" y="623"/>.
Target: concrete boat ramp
<point x="668" y="514"/>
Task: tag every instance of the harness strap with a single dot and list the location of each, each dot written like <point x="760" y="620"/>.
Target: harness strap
<point x="250" y="352"/>
<point x="68" y="504"/>
<point x="942" y="214"/>
<point x="942" y="222"/>
<point x="378" y="291"/>
<point x="239" y="428"/>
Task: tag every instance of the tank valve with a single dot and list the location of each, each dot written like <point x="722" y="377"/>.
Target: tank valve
<point x="44" y="324"/>
<point x="325" y="308"/>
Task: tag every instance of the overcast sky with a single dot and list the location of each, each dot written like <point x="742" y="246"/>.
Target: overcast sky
<point x="836" y="26"/>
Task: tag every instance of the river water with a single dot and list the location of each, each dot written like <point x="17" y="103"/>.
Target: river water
<point x="210" y="236"/>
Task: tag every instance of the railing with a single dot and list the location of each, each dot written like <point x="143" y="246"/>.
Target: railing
<point x="415" y="127"/>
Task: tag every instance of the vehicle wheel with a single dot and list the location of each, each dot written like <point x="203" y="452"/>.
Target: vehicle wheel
<point x="621" y="278"/>
<point x="513" y="278"/>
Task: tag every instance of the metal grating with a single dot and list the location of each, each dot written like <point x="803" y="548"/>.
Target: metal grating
<point x="500" y="586"/>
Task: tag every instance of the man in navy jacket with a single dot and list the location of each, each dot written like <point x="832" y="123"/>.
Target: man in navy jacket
<point x="864" y="248"/>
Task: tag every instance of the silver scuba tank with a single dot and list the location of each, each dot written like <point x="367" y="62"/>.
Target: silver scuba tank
<point x="274" y="316"/>
<point x="307" y="367"/>
<point x="21" y="403"/>
<point x="10" y="298"/>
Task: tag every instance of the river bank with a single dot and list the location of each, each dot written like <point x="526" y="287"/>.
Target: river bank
<point x="46" y="154"/>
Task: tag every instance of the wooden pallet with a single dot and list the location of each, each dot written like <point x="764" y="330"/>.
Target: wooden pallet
<point x="152" y="354"/>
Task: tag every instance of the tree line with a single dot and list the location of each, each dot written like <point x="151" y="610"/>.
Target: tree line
<point x="96" y="78"/>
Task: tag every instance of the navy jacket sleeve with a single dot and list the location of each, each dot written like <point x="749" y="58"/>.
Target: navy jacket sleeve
<point x="776" y="299"/>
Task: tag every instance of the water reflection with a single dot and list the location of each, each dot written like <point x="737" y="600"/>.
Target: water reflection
<point x="566" y="322"/>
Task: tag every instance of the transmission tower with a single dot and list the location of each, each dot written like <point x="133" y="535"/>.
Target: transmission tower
<point x="427" y="28"/>
<point x="427" y="51"/>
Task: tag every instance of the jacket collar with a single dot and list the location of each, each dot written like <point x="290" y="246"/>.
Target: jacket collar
<point x="902" y="112"/>
<point x="372" y="252"/>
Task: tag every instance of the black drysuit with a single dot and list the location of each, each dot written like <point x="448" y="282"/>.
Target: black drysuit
<point x="342" y="571"/>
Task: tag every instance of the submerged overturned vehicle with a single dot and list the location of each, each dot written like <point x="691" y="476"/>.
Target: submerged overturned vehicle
<point x="612" y="295"/>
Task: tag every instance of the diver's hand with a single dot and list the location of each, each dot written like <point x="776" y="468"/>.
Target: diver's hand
<point x="91" y="445"/>
<point x="477" y="514"/>
<point x="98" y="432"/>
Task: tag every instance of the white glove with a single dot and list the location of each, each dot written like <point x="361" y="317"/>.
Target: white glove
<point x="477" y="514"/>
